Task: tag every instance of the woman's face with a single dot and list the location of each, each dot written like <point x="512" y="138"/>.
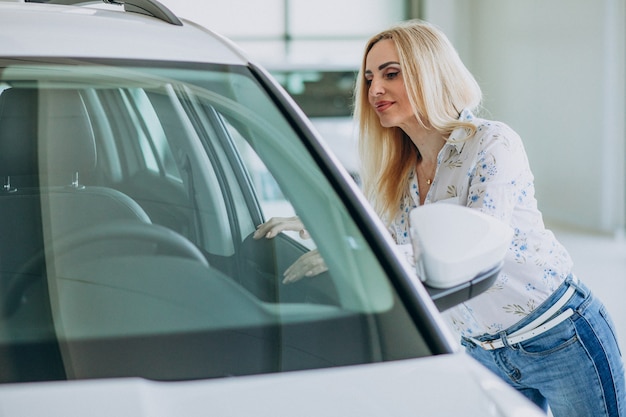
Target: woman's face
<point x="387" y="93"/>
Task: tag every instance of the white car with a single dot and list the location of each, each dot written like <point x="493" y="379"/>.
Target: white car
<point x="138" y="153"/>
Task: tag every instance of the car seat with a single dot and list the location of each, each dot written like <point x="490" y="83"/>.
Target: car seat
<point x="47" y="146"/>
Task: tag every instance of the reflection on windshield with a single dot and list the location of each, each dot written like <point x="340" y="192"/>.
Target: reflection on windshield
<point x="132" y="201"/>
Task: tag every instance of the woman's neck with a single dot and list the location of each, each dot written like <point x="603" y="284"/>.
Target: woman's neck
<point x="428" y="142"/>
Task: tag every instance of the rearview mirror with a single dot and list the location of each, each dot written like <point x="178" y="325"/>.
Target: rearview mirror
<point x="458" y="251"/>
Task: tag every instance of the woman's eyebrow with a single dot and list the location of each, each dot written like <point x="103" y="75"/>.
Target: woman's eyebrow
<point x="386" y="64"/>
<point x="382" y="67"/>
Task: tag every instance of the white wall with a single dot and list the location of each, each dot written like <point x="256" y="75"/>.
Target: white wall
<point x="554" y="70"/>
<point x="321" y="32"/>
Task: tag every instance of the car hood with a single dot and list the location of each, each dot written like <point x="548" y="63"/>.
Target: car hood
<point x="446" y="385"/>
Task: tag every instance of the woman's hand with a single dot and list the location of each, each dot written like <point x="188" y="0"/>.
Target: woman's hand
<point x="308" y="265"/>
<point x="275" y="225"/>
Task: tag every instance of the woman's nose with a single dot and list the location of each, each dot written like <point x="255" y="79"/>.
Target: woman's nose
<point x="376" y="88"/>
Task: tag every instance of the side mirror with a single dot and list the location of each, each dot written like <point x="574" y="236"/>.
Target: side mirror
<point x="458" y="251"/>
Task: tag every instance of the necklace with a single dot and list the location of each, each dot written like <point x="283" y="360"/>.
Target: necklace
<point x="422" y="168"/>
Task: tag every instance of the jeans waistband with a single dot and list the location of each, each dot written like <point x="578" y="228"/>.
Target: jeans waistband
<point x="569" y="295"/>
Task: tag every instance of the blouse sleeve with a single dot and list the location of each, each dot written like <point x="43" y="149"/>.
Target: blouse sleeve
<point x="501" y="178"/>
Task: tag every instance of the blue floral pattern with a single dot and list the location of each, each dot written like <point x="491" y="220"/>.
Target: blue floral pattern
<point x="490" y="172"/>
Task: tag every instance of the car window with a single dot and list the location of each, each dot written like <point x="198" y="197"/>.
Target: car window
<point x="325" y="95"/>
<point x="156" y="150"/>
<point x="131" y="195"/>
<point x="319" y="92"/>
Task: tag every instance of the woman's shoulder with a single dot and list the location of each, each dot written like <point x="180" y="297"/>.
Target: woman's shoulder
<point x="483" y="127"/>
<point x="493" y="132"/>
<point x="492" y="127"/>
<point x="487" y="133"/>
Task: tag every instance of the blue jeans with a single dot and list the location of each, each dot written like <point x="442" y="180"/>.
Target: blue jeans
<point x="576" y="368"/>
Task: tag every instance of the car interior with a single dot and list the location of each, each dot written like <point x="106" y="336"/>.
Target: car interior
<point x="129" y="204"/>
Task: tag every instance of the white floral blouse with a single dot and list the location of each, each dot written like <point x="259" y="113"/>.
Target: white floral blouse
<point x="490" y="172"/>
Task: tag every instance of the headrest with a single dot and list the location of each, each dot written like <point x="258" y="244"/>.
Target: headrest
<point x="44" y="131"/>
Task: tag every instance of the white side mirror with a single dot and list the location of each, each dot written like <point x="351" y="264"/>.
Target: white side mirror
<point x="453" y="244"/>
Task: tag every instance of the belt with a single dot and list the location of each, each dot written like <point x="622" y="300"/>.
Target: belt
<point x="540" y="325"/>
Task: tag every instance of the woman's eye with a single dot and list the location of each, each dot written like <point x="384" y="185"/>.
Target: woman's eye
<point x="368" y="82"/>
<point x="392" y="75"/>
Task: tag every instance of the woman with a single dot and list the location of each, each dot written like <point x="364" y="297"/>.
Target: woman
<point x="538" y="327"/>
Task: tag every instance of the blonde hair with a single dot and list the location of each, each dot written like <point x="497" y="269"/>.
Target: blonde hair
<point x="439" y="87"/>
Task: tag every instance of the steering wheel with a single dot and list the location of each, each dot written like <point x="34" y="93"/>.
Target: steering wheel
<point x="265" y="260"/>
<point x="165" y="241"/>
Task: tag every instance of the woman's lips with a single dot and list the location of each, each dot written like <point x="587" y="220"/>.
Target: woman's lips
<point x="381" y="106"/>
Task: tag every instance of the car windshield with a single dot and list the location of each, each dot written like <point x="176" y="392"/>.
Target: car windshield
<point x="131" y="193"/>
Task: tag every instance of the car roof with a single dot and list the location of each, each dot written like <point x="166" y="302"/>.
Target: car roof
<point x="53" y="30"/>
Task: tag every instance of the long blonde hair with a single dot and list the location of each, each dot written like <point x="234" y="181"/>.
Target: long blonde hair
<point x="439" y="87"/>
